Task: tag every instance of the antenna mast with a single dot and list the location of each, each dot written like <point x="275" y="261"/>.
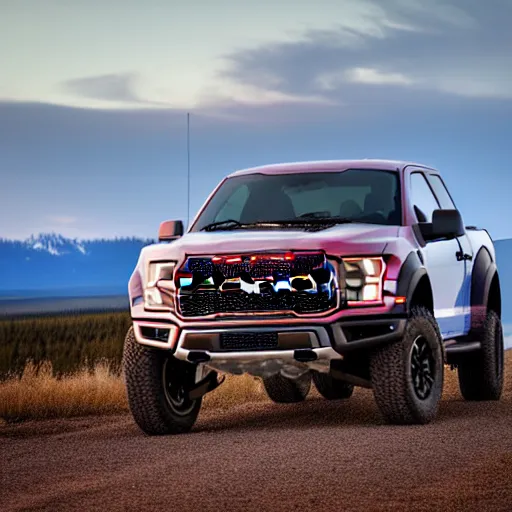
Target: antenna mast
<point x="188" y="169"/>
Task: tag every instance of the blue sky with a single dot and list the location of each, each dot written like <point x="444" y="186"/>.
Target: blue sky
<point x="94" y="95"/>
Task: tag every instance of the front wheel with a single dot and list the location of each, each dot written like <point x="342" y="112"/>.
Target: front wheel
<point x="157" y="386"/>
<point x="407" y="376"/>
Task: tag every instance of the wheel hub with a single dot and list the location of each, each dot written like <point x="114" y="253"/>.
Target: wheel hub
<point x="422" y="368"/>
<point x="177" y="394"/>
<point x="175" y="388"/>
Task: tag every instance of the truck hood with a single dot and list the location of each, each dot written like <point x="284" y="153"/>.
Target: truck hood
<point x="342" y="240"/>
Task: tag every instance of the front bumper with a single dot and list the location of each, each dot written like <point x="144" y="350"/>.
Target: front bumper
<point x="289" y="342"/>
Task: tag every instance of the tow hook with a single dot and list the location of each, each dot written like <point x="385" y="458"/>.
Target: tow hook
<point x="209" y="383"/>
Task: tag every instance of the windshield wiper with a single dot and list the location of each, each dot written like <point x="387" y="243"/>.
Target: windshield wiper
<point x="314" y="215"/>
<point x="319" y="223"/>
<point x="223" y="224"/>
<point x="315" y="223"/>
<point x="305" y="221"/>
<point x="328" y="219"/>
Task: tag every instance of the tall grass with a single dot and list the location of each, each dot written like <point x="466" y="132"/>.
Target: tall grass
<point x="69" y="342"/>
<point x="38" y="394"/>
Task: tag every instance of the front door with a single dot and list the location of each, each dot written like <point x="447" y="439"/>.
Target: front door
<point x="447" y="277"/>
<point x="446" y="271"/>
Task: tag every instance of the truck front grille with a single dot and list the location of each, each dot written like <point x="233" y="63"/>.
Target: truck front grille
<point x="291" y="282"/>
<point x="248" y="341"/>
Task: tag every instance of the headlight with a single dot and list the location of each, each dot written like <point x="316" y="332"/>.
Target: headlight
<point x="363" y="280"/>
<point x="157" y="271"/>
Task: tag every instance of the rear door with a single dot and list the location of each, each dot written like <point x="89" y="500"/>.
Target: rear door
<point x="446" y="272"/>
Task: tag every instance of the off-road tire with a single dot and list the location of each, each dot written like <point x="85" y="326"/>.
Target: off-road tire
<point x="395" y="390"/>
<point x="481" y="373"/>
<point x="283" y="390"/>
<point x="330" y="388"/>
<point x="148" y="400"/>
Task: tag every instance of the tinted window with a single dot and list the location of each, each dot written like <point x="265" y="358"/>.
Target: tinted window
<point x="369" y="196"/>
<point x="334" y="200"/>
<point x="423" y="199"/>
<point x="233" y="206"/>
<point x="441" y="192"/>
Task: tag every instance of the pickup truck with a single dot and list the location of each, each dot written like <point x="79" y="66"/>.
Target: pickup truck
<point x="336" y="273"/>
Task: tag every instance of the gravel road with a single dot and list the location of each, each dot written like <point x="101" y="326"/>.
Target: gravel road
<point x="318" y="455"/>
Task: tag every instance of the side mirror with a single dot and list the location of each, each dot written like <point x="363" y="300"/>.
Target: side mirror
<point x="445" y="224"/>
<point x="170" y="230"/>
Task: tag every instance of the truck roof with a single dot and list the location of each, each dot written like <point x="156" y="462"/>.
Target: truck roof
<point x="329" y="165"/>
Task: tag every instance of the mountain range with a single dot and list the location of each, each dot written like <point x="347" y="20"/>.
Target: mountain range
<point x="50" y="265"/>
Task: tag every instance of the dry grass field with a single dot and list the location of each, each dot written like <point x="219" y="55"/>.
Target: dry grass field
<point x="39" y="394"/>
<point x="69" y="365"/>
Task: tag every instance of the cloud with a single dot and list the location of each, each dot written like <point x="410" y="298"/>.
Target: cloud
<point x="374" y="76"/>
<point x="116" y="87"/>
<point x="430" y="15"/>
<point x="62" y="220"/>
<point x="331" y="81"/>
<point x="375" y="53"/>
<point x="446" y="47"/>
<point x="245" y="95"/>
<point x="121" y="88"/>
<point x="380" y="56"/>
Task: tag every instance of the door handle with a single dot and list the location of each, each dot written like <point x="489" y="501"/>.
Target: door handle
<point x="462" y="256"/>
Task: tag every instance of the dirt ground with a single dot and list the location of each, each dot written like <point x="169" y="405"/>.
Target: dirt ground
<point x="317" y="455"/>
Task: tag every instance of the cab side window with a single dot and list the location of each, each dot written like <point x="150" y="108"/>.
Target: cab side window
<point x="423" y="199"/>
<point x="441" y="192"/>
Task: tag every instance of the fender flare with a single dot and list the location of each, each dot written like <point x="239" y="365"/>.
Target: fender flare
<point x="409" y="277"/>
<point x="482" y="276"/>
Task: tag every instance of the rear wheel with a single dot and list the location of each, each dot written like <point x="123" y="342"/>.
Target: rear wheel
<point x="157" y="386"/>
<point x="330" y="388"/>
<point x="481" y="373"/>
<point x="281" y="389"/>
<point x="407" y="376"/>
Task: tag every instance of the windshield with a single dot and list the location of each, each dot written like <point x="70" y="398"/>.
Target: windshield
<point x="370" y="196"/>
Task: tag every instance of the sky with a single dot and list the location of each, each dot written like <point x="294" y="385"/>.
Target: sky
<point x="94" y="97"/>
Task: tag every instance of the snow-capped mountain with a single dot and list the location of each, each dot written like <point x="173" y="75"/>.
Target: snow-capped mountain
<point x="55" y="244"/>
<point x="54" y="265"/>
